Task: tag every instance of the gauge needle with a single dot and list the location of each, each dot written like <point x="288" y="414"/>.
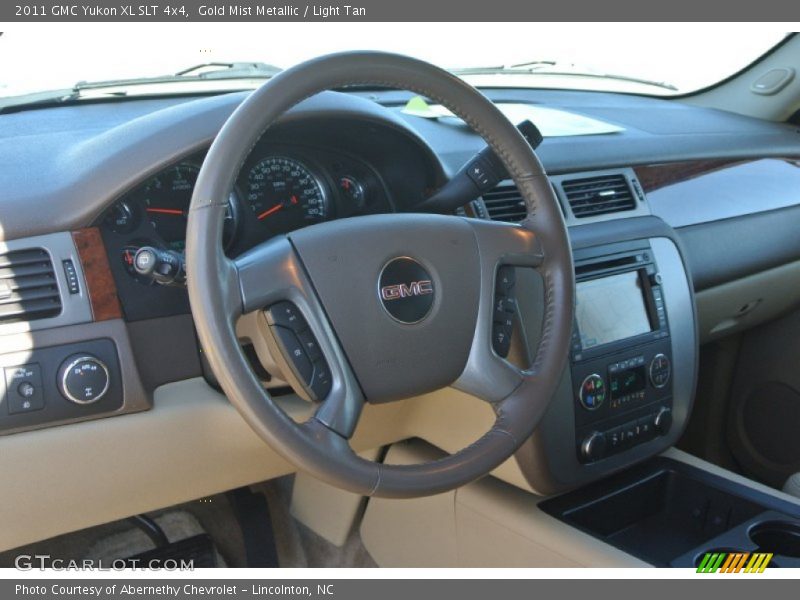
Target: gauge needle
<point x="270" y="211"/>
<point x="166" y="211"/>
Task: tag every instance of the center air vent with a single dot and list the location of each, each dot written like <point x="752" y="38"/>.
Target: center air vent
<point x="600" y="195"/>
<point x="504" y="203"/>
<point x="28" y="286"/>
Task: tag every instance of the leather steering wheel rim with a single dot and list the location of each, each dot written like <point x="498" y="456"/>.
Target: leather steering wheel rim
<point x="221" y="290"/>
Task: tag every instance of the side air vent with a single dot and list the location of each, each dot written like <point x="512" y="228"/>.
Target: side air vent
<point x="28" y="287"/>
<point x="600" y="195"/>
<point x="504" y="203"/>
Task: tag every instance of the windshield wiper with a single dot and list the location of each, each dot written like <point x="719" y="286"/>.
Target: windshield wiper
<point x="552" y="67"/>
<point x="213" y="71"/>
<point x="200" y="72"/>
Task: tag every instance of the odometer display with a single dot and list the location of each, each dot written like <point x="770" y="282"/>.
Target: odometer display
<point x="284" y="195"/>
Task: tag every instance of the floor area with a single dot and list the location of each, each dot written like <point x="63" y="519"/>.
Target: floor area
<point x="296" y="545"/>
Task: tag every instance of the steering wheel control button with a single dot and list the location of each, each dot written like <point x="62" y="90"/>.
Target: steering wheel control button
<point x="286" y="314"/>
<point x="660" y="370"/>
<point x="405" y="290"/>
<point x="592" y="393"/>
<point x="310" y="345"/>
<point x="301" y="349"/>
<point x="505" y="307"/>
<point x="295" y="352"/>
<point x="24" y="389"/>
<point x="83" y="379"/>
<point x="321" y="381"/>
<point x="506" y="279"/>
<point x="501" y="339"/>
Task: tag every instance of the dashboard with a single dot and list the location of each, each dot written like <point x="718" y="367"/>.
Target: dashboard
<point x="696" y="188"/>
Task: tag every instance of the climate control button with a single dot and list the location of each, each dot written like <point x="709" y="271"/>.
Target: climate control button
<point x="593" y="392"/>
<point x="660" y="370"/>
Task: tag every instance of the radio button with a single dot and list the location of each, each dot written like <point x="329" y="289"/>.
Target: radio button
<point x="646" y="427"/>
<point x="663" y="421"/>
<point x="592" y="394"/>
<point x="593" y="446"/>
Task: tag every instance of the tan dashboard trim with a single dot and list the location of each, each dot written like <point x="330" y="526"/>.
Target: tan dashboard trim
<point x="97" y="272"/>
<point x="191" y="444"/>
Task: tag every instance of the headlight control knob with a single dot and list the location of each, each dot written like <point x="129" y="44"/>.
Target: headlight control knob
<point x="83" y="379"/>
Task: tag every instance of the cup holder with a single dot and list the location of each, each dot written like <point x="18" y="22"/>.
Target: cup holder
<point x="779" y="537"/>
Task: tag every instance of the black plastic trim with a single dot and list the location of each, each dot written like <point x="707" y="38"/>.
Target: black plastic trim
<point x="723" y="251"/>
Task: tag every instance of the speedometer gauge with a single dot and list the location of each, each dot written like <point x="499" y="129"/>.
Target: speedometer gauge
<point x="284" y="195"/>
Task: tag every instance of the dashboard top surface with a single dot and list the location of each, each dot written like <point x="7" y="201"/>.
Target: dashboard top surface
<point x="84" y="156"/>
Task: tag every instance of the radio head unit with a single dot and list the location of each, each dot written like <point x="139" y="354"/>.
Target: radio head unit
<point x="618" y="303"/>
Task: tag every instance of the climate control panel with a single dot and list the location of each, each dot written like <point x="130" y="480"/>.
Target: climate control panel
<point x="621" y="399"/>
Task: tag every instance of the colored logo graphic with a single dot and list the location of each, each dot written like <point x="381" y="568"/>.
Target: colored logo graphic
<point x="734" y="562"/>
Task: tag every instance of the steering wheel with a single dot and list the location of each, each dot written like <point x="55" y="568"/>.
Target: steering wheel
<point x="342" y="277"/>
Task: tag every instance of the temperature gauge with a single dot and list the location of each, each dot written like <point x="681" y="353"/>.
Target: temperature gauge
<point x="353" y="190"/>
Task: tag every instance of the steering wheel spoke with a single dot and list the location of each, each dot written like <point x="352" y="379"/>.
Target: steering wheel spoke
<point x="271" y="279"/>
<point x="502" y="248"/>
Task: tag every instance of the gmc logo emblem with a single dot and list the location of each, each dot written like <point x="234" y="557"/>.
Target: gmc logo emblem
<point x="401" y="290"/>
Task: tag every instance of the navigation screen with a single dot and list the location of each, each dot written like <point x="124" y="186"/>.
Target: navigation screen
<point x="610" y="309"/>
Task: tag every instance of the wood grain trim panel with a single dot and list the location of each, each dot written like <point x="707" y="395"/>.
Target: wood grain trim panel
<point x="102" y="290"/>
<point x="653" y="177"/>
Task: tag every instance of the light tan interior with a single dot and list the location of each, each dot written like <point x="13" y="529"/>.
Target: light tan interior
<point x="491" y="524"/>
<point x="201" y="446"/>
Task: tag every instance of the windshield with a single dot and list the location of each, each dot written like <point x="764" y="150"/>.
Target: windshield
<point x="659" y="59"/>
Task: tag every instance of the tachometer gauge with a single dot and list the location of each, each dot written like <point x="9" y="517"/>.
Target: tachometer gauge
<point x="166" y="203"/>
<point x="284" y="195"/>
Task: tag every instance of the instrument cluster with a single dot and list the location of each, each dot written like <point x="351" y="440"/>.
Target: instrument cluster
<point x="278" y="190"/>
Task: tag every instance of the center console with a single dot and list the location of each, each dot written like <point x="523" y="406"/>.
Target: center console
<point x="621" y="358"/>
<point x="628" y="388"/>
<point x="673" y="514"/>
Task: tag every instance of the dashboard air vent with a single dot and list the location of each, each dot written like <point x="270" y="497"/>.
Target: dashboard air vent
<point x="28" y="286"/>
<point x="504" y="203"/>
<point x="600" y="195"/>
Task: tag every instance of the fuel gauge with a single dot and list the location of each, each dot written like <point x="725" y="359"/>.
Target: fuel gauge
<point x="353" y="190"/>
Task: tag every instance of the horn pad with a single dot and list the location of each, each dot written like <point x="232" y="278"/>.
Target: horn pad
<point x="401" y="292"/>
